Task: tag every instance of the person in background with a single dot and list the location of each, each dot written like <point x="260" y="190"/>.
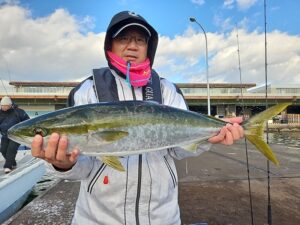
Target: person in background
<point x="147" y="192"/>
<point x="9" y="116"/>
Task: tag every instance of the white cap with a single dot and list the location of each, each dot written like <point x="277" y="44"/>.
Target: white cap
<point x="132" y="24"/>
<point x="6" y="101"/>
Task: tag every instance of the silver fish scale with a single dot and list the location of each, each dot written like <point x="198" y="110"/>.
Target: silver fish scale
<point x="143" y="139"/>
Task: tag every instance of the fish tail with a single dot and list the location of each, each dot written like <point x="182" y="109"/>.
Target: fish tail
<point x="254" y="128"/>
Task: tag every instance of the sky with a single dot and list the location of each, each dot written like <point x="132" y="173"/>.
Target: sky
<point x="62" y="40"/>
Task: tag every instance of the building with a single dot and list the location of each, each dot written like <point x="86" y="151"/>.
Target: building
<point x="227" y="99"/>
<point x="40" y="97"/>
<point x="230" y="99"/>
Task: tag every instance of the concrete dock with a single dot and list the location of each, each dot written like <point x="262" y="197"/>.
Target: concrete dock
<point x="213" y="188"/>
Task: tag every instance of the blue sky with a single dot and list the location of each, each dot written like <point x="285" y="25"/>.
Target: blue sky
<point x="34" y="40"/>
<point x="170" y="17"/>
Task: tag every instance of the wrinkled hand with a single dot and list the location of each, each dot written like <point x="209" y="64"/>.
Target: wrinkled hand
<point x="229" y="133"/>
<point x="55" y="152"/>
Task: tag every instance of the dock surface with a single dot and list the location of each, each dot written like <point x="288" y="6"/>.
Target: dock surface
<point x="213" y="188"/>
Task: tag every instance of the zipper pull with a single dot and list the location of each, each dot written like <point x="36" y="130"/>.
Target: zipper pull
<point x="128" y="73"/>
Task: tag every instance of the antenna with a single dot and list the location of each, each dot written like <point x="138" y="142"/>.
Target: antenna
<point x="7" y="68"/>
<point x="8" y="73"/>
<point x="3" y="86"/>
<point x="243" y="112"/>
<point x="267" y="128"/>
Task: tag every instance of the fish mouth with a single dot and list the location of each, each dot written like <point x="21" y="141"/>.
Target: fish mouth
<point x="17" y="138"/>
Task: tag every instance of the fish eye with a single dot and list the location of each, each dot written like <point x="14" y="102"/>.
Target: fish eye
<point x="40" y="131"/>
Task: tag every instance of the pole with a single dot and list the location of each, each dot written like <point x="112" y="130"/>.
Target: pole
<point x="192" y="19"/>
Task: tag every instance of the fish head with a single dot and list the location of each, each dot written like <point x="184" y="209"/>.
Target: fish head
<point x="25" y="131"/>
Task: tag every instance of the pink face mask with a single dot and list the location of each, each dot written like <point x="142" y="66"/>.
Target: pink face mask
<point x="137" y="74"/>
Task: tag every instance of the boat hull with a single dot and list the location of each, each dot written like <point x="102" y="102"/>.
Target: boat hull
<point x="17" y="185"/>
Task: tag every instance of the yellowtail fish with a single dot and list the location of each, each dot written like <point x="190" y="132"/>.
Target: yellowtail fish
<point x="125" y="128"/>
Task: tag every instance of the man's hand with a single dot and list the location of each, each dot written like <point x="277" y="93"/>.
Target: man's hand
<point x="229" y="133"/>
<point x="55" y="152"/>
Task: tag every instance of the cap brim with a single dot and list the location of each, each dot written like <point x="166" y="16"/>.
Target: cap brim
<point x="129" y="25"/>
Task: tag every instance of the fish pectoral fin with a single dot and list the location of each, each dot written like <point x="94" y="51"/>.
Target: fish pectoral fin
<point x="113" y="161"/>
<point x="192" y="147"/>
<point x="109" y="135"/>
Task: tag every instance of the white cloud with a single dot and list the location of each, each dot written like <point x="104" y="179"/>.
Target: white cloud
<point x="198" y="2"/>
<point x="241" y="4"/>
<point x="49" y="48"/>
<point x="245" y="4"/>
<point x="244" y="23"/>
<point x="224" y="24"/>
<point x="9" y="2"/>
<point x="229" y="4"/>
<point x="53" y="48"/>
<point x="87" y="23"/>
<point x="186" y="51"/>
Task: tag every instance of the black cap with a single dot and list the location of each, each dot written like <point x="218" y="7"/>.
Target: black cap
<point x="124" y="19"/>
<point x="141" y="26"/>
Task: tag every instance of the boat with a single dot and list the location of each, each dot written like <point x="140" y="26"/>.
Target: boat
<point x="16" y="186"/>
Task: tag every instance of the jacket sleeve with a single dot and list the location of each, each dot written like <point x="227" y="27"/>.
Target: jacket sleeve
<point x="82" y="94"/>
<point x="70" y="101"/>
<point x="23" y="115"/>
<point x="172" y="96"/>
<point x="2" y="117"/>
<point x="16" y="116"/>
<point x="80" y="171"/>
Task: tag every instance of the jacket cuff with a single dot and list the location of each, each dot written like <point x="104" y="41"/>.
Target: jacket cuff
<point x="79" y="171"/>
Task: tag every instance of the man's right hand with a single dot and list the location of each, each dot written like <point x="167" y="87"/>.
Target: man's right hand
<point x="55" y="152"/>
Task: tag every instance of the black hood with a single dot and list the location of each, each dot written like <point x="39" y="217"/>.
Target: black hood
<point x="126" y="17"/>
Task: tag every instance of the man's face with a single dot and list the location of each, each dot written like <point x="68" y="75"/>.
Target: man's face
<point x="131" y="45"/>
<point x="5" y="107"/>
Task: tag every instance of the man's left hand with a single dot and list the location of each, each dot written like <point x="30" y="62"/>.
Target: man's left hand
<point x="229" y="133"/>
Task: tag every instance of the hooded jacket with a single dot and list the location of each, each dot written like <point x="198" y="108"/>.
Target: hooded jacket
<point x="126" y="17"/>
<point x="11" y="117"/>
<point x="147" y="192"/>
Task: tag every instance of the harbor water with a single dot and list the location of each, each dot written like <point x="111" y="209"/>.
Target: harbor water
<point x="290" y="139"/>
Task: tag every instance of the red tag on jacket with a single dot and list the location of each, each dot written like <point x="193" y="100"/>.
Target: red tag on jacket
<point x="105" y="180"/>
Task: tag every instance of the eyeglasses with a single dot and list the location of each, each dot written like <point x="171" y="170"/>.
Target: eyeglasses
<point x="126" y="39"/>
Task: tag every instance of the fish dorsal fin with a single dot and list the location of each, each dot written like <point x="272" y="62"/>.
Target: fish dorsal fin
<point x="113" y="162"/>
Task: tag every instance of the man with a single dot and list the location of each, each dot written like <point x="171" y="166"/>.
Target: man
<point x="9" y="116"/>
<point x="147" y="192"/>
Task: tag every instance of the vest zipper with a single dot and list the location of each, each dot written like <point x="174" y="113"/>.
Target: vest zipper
<point x="138" y="194"/>
<point x="138" y="191"/>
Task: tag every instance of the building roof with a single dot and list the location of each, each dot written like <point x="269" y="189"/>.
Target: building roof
<point x="43" y="84"/>
<point x="181" y="85"/>
<point x="215" y="85"/>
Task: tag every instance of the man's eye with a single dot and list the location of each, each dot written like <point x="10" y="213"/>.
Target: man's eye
<point x="124" y="38"/>
<point x="141" y="40"/>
